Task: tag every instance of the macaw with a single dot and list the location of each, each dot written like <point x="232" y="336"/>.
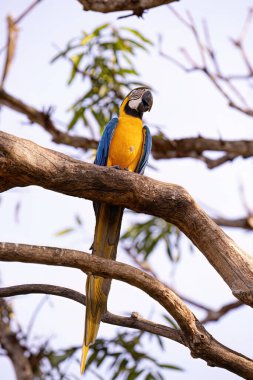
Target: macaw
<point x="125" y="144"/>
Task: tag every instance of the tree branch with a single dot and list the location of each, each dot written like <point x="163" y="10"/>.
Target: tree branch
<point x="137" y="6"/>
<point x="195" y="146"/>
<point x="21" y="17"/>
<point x="103" y="267"/>
<point x="209" y="66"/>
<point x="245" y="223"/>
<point x="10" y="342"/>
<point x="197" y="339"/>
<point x="162" y="148"/>
<point x="213" y="315"/>
<point x="44" y="120"/>
<point x="24" y="163"/>
<point x="135" y="321"/>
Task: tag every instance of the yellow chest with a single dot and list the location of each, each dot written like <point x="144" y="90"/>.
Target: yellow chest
<point x="127" y="143"/>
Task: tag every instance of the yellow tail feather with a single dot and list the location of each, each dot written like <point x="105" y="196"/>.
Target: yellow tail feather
<point x="97" y="288"/>
<point x="85" y="350"/>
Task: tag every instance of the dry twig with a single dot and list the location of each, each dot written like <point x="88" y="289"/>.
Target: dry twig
<point x="134" y="321"/>
<point x="210" y="66"/>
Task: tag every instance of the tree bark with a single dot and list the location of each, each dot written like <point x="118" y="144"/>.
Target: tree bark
<point x="134" y="322"/>
<point x="162" y="148"/>
<point x="137" y="6"/>
<point x="195" y="336"/>
<point x="9" y="341"/>
<point x="24" y="163"/>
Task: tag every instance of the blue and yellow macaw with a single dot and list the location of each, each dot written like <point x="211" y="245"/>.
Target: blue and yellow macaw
<point x="125" y="144"/>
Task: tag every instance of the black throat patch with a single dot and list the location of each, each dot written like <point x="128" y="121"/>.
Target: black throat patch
<point x="132" y="112"/>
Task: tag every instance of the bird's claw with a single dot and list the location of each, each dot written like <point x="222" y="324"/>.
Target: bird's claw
<point x="119" y="168"/>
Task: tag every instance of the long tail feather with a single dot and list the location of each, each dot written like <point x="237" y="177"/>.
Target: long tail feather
<point x="85" y="350"/>
<point x="108" y="223"/>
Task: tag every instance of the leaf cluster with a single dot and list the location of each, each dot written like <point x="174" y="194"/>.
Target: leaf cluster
<point x="144" y="237"/>
<point x="45" y="362"/>
<point x="126" y="357"/>
<point x="104" y="59"/>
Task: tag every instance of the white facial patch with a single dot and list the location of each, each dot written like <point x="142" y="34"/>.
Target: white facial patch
<point x="134" y="103"/>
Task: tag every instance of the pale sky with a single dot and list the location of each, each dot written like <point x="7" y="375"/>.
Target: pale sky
<point x="185" y="105"/>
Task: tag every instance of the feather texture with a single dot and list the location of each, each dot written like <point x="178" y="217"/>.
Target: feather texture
<point x="126" y="144"/>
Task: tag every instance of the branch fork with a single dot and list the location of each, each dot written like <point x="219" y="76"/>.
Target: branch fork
<point x="192" y="333"/>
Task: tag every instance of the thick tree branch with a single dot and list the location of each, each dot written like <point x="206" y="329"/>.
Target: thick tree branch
<point x="163" y="148"/>
<point x="90" y="263"/>
<point x="135" y="321"/>
<point x="195" y="147"/>
<point x="137" y="6"/>
<point x="16" y="352"/>
<point x="24" y="163"/>
<point x="199" y="341"/>
<point x="44" y="119"/>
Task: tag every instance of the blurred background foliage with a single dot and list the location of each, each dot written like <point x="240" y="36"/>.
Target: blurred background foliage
<point x="142" y="238"/>
<point x="124" y="356"/>
<point x="127" y="357"/>
<point x="104" y="61"/>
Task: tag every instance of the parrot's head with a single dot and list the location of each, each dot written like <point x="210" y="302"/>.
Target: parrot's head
<point x="137" y="102"/>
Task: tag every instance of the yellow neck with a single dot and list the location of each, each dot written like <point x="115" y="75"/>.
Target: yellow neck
<point x="122" y="112"/>
<point x="134" y="115"/>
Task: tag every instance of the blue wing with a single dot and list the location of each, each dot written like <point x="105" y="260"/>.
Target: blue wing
<point x="104" y="145"/>
<point x="145" y="150"/>
<point x="103" y="149"/>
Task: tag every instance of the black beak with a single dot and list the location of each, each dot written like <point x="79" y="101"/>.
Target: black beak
<point x="147" y="101"/>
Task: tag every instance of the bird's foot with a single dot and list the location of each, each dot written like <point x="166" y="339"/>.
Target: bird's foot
<point x="119" y="168"/>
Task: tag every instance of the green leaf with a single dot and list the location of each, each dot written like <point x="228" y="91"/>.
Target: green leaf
<point x="77" y="115"/>
<point x="102" y="27"/>
<point x="78" y="220"/>
<point x="137" y="45"/>
<point x="150" y="377"/>
<point x="127" y="71"/>
<point x="101" y="358"/>
<point x="87" y="39"/>
<point x="160" y="342"/>
<point x="76" y="59"/>
<point x="138" y="34"/>
<point x="171" y="321"/>
<point x="159" y="376"/>
<point x="133" y="374"/>
<point x="92" y="358"/>
<point x="169" y="366"/>
<point x="64" y="232"/>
